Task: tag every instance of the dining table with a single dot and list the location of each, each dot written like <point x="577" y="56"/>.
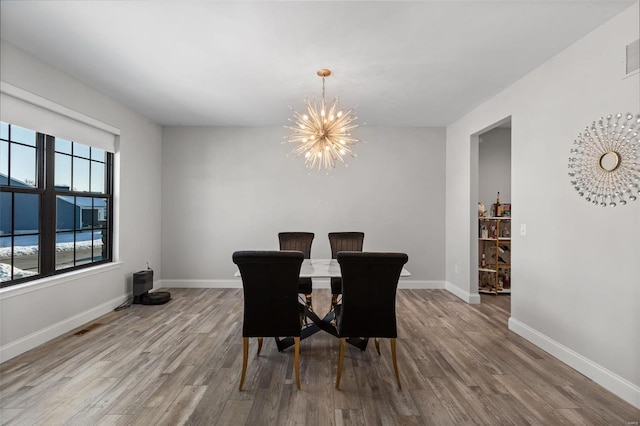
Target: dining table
<point x="322" y="268"/>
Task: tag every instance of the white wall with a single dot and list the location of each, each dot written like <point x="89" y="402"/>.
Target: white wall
<point x="227" y="189"/>
<point x="494" y="167"/>
<point x="576" y="273"/>
<point x="35" y="312"/>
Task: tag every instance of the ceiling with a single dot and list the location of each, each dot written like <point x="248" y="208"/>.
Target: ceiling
<point x="213" y="63"/>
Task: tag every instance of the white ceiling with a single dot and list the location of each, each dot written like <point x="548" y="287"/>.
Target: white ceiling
<point x="212" y="63"/>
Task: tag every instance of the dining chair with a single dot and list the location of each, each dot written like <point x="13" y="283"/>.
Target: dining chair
<point x="300" y="241"/>
<point x="342" y="241"/>
<point x="271" y="307"/>
<point x="368" y="310"/>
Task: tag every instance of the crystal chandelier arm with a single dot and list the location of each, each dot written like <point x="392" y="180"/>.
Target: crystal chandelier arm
<point x="301" y="128"/>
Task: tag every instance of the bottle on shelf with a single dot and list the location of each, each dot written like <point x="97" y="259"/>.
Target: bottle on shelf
<point x="504" y="231"/>
<point x="507" y="279"/>
<point x="483" y="262"/>
<point x="484" y="232"/>
<point x="498" y="209"/>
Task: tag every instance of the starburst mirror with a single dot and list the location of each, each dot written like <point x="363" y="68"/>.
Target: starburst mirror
<point x="603" y="165"/>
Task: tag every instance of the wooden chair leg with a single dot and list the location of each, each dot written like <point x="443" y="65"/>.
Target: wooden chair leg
<point x="334" y="301"/>
<point x="308" y="300"/>
<point x="245" y="355"/>
<point x="303" y="313"/>
<point x="343" y="341"/>
<point x="259" y="344"/>
<point x="395" y="361"/>
<point x="377" y="340"/>
<point x="296" y="360"/>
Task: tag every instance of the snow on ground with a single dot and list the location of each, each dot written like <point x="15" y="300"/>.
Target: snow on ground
<point x="60" y="247"/>
<point x="5" y="272"/>
<point x="5" y="252"/>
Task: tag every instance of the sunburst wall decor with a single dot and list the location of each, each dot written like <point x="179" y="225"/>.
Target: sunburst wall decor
<point x="323" y="135"/>
<point x="603" y="164"/>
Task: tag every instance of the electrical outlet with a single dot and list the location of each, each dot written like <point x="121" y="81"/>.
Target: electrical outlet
<point x="523" y="229"/>
<point x="455" y="269"/>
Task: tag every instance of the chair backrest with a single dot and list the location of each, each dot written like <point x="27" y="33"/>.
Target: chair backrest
<point x="270" y="285"/>
<point x="345" y="241"/>
<point x="300" y="241"/>
<point x="369" y="283"/>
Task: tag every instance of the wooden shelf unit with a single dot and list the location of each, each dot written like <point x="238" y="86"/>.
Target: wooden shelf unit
<point x="494" y="255"/>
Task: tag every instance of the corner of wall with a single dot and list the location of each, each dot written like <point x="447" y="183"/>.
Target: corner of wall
<point x="471" y="298"/>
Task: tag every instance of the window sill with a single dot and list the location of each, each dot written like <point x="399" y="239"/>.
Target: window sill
<point x="36" y="285"/>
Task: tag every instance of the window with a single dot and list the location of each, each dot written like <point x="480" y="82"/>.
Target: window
<point x="55" y="205"/>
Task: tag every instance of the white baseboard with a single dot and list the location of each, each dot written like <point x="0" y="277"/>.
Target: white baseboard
<point x="605" y="378"/>
<point x="317" y="283"/>
<point x="233" y="283"/>
<point x="421" y="284"/>
<point x="39" y="337"/>
<point x="471" y="298"/>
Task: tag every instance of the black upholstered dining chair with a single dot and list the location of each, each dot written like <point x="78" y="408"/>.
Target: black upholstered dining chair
<point x="342" y="241"/>
<point x="369" y="284"/>
<point x="271" y="307"/>
<point x="300" y="241"/>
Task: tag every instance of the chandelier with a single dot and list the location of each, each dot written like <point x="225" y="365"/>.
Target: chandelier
<point x="322" y="135"/>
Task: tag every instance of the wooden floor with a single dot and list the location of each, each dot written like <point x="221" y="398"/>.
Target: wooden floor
<point x="179" y="363"/>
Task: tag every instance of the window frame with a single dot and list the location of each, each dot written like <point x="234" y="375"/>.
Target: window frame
<point x="48" y="193"/>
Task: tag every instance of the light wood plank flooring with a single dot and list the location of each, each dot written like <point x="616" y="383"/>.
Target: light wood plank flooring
<point x="179" y="363"/>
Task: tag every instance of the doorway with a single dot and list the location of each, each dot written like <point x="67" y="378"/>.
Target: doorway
<point x="494" y="202"/>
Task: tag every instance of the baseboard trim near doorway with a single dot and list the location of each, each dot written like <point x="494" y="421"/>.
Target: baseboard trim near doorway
<point x="471" y="298"/>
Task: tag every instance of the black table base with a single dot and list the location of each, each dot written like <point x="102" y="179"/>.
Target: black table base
<point x="326" y="324"/>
